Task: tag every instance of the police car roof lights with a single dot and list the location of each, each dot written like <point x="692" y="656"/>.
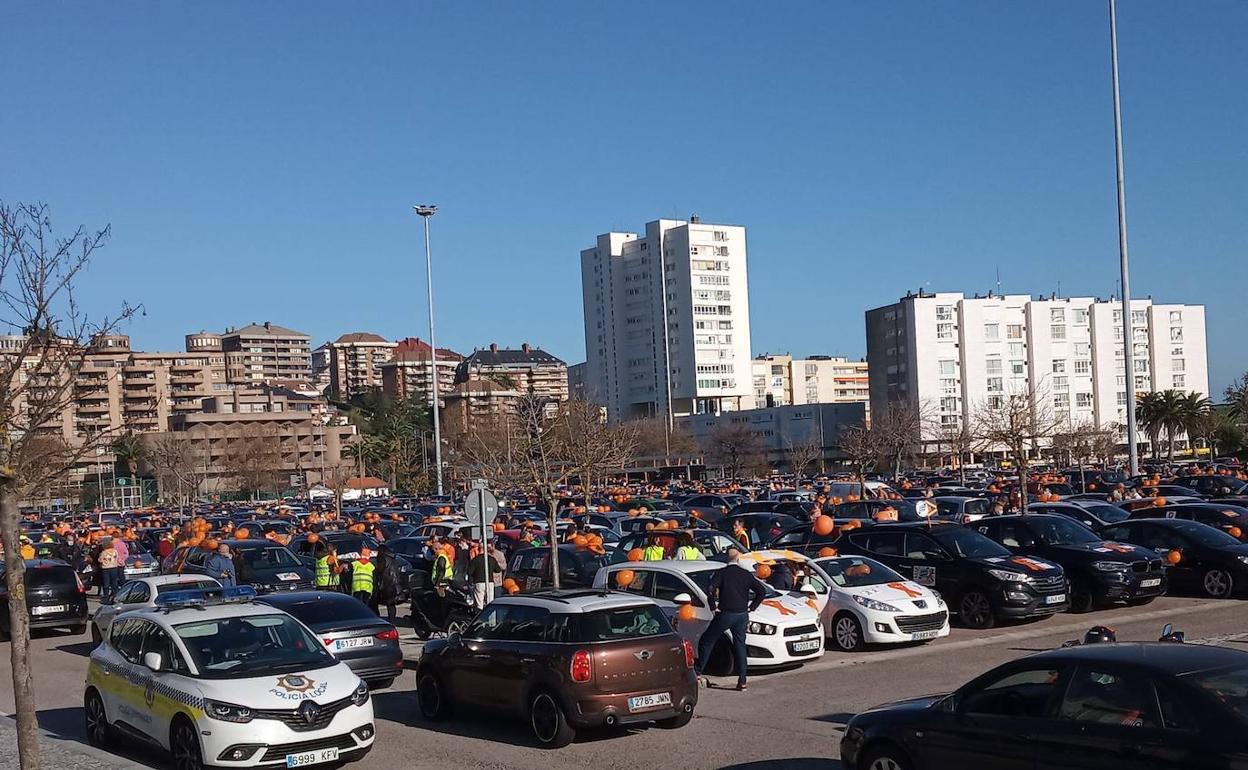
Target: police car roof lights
<point x="203" y="597"/>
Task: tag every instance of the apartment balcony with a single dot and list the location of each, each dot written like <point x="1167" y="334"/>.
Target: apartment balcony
<point x="92" y="422"/>
<point x="84" y="407"/>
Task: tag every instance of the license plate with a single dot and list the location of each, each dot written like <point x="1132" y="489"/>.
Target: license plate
<point x="1150" y="583"/>
<point x="649" y="701"/>
<point x="288" y="576"/>
<point x="50" y="609"/>
<point x="922" y="635"/>
<point x="352" y="644"/>
<point x="305" y="758"/>
<point x="809" y="644"/>
<point x="1055" y="599"/>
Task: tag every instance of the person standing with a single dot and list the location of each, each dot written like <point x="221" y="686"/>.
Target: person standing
<point x="734" y="594"/>
<point x="653" y="550"/>
<point x="387" y="583"/>
<point x="220" y="565"/>
<point x="482" y="590"/>
<point x="110" y="572"/>
<point x="688" y="551"/>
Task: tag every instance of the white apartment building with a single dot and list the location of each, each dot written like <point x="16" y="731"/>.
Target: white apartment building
<point x="950" y="354"/>
<point x="785" y="380"/>
<point x="667" y="316"/>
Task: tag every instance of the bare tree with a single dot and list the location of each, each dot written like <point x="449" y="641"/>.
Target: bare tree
<point x="253" y="458"/>
<point x="338" y="478"/>
<point x="593" y="447"/>
<point x="39" y="272"/>
<point x="541" y="451"/>
<point x="1015" y="423"/>
<point x="488" y="449"/>
<point x="861" y="447"/>
<point x="654" y="440"/>
<point x="735" y="448"/>
<point x="898" y="431"/>
<point x="955" y="438"/>
<point x="802" y="453"/>
<point x="179" y="467"/>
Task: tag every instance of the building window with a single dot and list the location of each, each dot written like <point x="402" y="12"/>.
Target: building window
<point x="949" y="404"/>
<point x="1139" y="318"/>
<point x="996" y="402"/>
<point x="1176" y="333"/>
<point x="1083" y="400"/>
<point x="1141" y="383"/>
<point x="948" y="368"/>
<point x="1178" y="365"/>
<point x="1057" y="315"/>
<point x="1061" y="400"/>
<point x="992" y="365"/>
<point x="1014" y="331"/>
<point x="1179" y="381"/>
<point x="1018" y="368"/>
<point x="1083" y="367"/>
<point x="996" y="385"/>
<point x="1061" y="384"/>
<point x="1016" y="350"/>
<point x="1122" y="398"/>
<point x="1083" y="349"/>
<point x="944" y="331"/>
<point x="948" y="386"/>
<point x="1176" y="351"/>
<point x="1081" y="317"/>
<point x="1057" y="331"/>
<point x="992" y="332"/>
<point x="1059" y="365"/>
<point x="944" y="312"/>
<point x="1176" y="316"/>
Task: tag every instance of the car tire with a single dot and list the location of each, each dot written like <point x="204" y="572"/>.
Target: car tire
<point x="847" y="633"/>
<point x="676" y="722"/>
<point x="1218" y="583"/>
<point x="548" y="722"/>
<point x="975" y="610"/>
<point x="887" y="757"/>
<point x="723" y="660"/>
<point x="1082" y="599"/>
<point x="99" y="731"/>
<point x="431" y="697"/>
<point x="184" y="745"/>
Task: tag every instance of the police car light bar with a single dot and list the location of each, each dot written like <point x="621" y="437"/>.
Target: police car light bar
<point x="177" y="600"/>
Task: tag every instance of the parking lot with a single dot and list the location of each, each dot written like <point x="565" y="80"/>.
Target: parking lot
<point x="791" y="718"/>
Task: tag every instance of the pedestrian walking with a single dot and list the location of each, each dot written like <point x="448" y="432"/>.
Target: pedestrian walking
<point x="734" y="594"/>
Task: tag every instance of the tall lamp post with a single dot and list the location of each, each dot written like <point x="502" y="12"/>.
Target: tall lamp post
<point x="426" y="211"/>
<point x="1128" y="335"/>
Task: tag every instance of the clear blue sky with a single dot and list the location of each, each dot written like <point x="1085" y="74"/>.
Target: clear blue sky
<point x="258" y="160"/>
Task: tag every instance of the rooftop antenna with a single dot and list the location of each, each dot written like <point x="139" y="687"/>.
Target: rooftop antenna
<point x="998" y="280"/>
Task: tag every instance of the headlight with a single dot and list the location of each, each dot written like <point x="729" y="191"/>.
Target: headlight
<point x="1007" y="576"/>
<point x="360" y="696"/>
<point x="1110" y="566"/>
<point x="872" y="604"/>
<point x="1242" y="559"/>
<point x="227" y="712"/>
<point x="760" y="628"/>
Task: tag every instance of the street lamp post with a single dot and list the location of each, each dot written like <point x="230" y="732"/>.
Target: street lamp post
<point x="1128" y="335"/>
<point x="426" y="211"/>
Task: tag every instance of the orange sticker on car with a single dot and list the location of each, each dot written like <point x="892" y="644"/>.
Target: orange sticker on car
<point x="1034" y="566"/>
<point x="779" y="607"/>
<point x="905" y="589"/>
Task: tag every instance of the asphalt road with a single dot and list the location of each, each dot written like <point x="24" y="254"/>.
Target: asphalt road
<point x="788" y="719"/>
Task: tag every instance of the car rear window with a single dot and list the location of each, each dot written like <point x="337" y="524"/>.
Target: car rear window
<point x="621" y="623"/>
<point x="189" y="585"/>
<point x="328" y="609"/>
<point x="58" y="576"/>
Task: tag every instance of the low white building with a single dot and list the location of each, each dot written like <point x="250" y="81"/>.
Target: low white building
<point x="784" y="380"/>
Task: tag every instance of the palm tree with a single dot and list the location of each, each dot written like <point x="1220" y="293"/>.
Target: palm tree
<point x="1237" y="399"/>
<point x="1193" y="407"/>
<point x="1148" y="413"/>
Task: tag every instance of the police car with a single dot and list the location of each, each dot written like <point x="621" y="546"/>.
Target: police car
<point x="220" y="681"/>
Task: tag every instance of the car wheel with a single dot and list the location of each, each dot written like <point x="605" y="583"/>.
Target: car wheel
<point x="676" y="722"/>
<point x="975" y="611"/>
<point x="548" y="722"/>
<point x="431" y="698"/>
<point x="1081" y="598"/>
<point x="96" y="636"/>
<point x="884" y="758"/>
<point x="847" y="632"/>
<point x="723" y="660"/>
<point x="184" y="746"/>
<point x="1218" y="583"/>
<point x="99" y="731"/>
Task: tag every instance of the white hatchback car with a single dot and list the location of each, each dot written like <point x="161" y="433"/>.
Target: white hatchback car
<point x="141" y="594"/>
<point x="220" y="681"/>
<point x="785" y="629"/>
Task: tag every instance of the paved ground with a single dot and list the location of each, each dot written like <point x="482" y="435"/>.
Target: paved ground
<point x="789" y="719"/>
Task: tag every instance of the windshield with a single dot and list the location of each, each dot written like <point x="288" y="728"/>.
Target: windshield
<point x="1228" y="685"/>
<point x="1059" y="530"/>
<point x="1110" y="514"/>
<point x="621" y="623"/>
<point x="235" y="648"/>
<point x="856" y="572"/>
<point x="350" y="545"/>
<point x="328" y="610"/>
<point x="968" y="544"/>
<point x="1204" y="534"/>
<point x="702" y="578"/>
<point x="267" y="557"/>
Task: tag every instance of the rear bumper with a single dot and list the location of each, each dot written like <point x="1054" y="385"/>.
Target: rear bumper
<point x="610" y="710"/>
<point x="387" y="665"/>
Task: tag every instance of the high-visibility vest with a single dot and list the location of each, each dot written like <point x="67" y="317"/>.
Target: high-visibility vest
<point x="652" y="553"/>
<point x="441" y="568"/>
<point x="688" y="553"/>
<point x="362" y="577"/>
<point x="325" y="577"/>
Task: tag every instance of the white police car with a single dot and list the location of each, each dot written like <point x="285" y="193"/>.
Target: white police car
<point x="220" y="681"/>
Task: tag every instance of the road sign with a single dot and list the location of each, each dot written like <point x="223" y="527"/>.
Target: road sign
<point x="480" y="484"/>
<point x="481" y="507"/>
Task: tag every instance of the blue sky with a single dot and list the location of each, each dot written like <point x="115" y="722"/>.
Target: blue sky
<point x="258" y="160"/>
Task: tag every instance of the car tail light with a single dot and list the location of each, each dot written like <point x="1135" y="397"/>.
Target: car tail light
<point x="582" y="666"/>
<point x="389" y="635"/>
<point x="688" y="652"/>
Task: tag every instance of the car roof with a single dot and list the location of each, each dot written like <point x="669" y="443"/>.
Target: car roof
<point x="289" y="598"/>
<point x="1169" y="658"/>
<point x="671" y="565"/>
<point x="570" y="601"/>
<point x="209" y="612"/>
<point x="160" y="580"/>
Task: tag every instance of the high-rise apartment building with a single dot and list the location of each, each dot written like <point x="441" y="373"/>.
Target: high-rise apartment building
<point x="258" y="353"/>
<point x="524" y="370"/>
<point x="784" y="381"/>
<point x="409" y="372"/>
<point x="667" y="320"/>
<point x="355" y="362"/>
<point x="950" y="354"/>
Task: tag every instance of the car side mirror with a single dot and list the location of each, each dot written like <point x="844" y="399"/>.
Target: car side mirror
<point x="152" y="660"/>
<point x="682" y="599"/>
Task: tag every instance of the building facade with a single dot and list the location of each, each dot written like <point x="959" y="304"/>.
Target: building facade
<point x="785" y="381"/>
<point x="525" y="370"/>
<point x="258" y="353"/>
<point x="355" y="362"/>
<point x="667" y="320"/>
<point x="409" y="372"/>
<point x="950" y="355"/>
<point x="779" y="429"/>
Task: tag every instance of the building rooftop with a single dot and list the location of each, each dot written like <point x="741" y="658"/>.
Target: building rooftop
<point x="268" y="327"/>
<point x="496" y="356"/>
<point x="416" y="349"/>
<point x="360" y="337"/>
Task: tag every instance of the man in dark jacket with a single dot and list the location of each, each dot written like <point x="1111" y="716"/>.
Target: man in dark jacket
<point x="387" y="581"/>
<point x="734" y="594"/>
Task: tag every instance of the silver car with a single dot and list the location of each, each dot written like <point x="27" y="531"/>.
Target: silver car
<point x="141" y="594"/>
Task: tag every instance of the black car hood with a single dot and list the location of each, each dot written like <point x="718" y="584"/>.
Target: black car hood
<point x="1023" y="564"/>
<point x="1104" y="551"/>
<point x="920" y="703"/>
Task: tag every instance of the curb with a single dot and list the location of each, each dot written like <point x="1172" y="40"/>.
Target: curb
<point x="107" y="759"/>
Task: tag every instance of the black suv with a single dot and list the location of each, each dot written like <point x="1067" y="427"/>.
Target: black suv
<point x="1100" y="572"/>
<point x="1197" y="555"/>
<point x="55" y="597"/>
<point x="979" y="579"/>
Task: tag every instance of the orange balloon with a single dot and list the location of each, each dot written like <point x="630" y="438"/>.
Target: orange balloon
<point x="686" y="612"/>
<point x="499" y="526"/>
<point x="1159" y="502"/>
<point x="242" y="533"/>
<point x="636" y="554"/>
<point x="624" y="578"/>
<point x="580" y="541"/>
<point x="824" y="525"/>
<point x="763" y="571"/>
<point x="1235" y="532"/>
<point x="1174" y="557"/>
<point x="210" y="544"/>
<point x="824" y="552"/>
<point x="314" y="538"/>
